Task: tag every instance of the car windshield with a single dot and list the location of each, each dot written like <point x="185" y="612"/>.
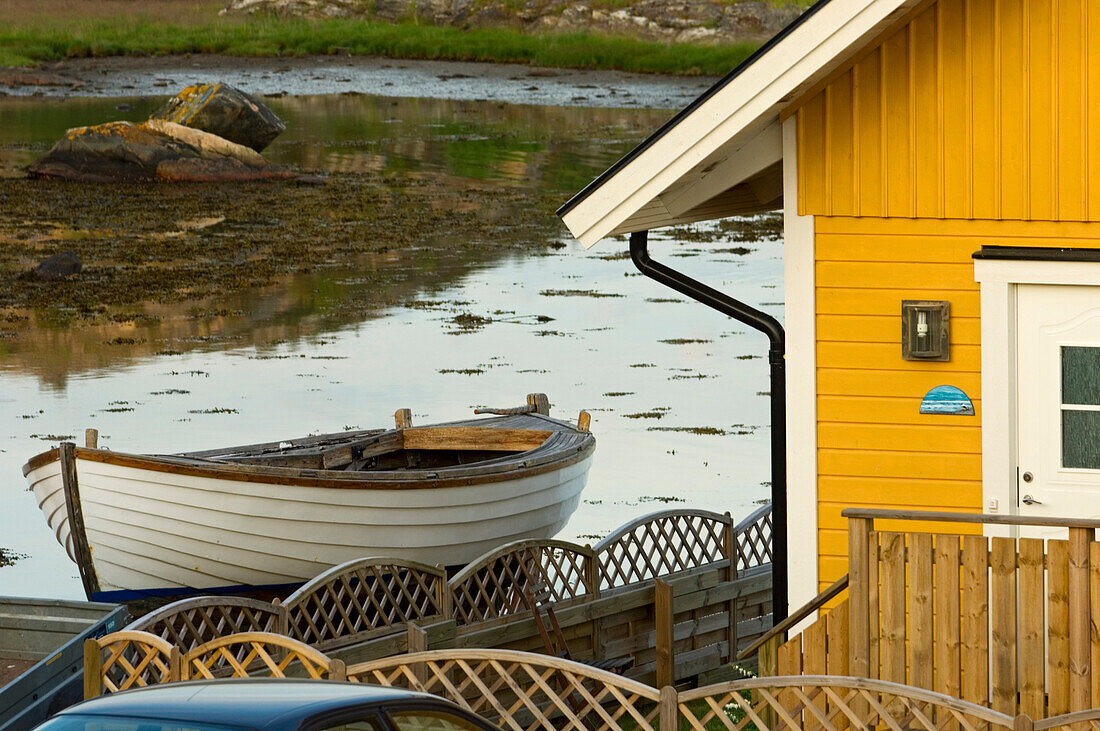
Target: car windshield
<point x="107" y="723"/>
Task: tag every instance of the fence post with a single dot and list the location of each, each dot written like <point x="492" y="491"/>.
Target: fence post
<point x="337" y="670"/>
<point x="93" y="670"/>
<point x="859" y="635"/>
<point x="592" y="574"/>
<point x="733" y="554"/>
<point x="662" y="618"/>
<point x="1080" y="651"/>
<point x="175" y="664"/>
<point x="1023" y="722"/>
<point x="443" y="595"/>
<point x="669" y="715"/>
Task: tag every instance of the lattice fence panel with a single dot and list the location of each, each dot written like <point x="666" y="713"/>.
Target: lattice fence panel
<point x="189" y="623"/>
<point x="134" y="659"/>
<point x="361" y="597"/>
<point x="753" y="537"/>
<point x="493" y="587"/>
<point x="258" y="654"/>
<point x="660" y="544"/>
<point x="818" y="702"/>
<point x="520" y="691"/>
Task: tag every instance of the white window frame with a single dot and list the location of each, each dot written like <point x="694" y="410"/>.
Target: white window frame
<point x="998" y="279"/>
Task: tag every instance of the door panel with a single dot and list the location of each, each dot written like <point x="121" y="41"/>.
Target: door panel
<point x="1058" y="402"/>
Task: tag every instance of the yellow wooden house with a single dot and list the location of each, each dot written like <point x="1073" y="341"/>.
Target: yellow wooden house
<point x="938" y="166"/>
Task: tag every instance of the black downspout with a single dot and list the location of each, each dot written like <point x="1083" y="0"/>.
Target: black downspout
<point x="765" y="323"/>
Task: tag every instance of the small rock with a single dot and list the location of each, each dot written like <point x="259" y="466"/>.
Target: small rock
<point x="59" y="266"/>
<point x="225" y="111"/>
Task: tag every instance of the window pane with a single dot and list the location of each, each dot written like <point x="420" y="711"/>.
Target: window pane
<point x="364" y="725"/>
<point x="430" y="721"/>
<point x="1081" y="439"/>
<point x="1080" y="375"/>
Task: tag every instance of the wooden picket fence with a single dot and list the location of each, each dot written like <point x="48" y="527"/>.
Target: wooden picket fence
<point x="997" y="621"/>
<point x="718" y="573"/>
<point x="522" y="691"/>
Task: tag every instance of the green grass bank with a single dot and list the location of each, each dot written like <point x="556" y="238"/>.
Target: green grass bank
<point x="51" y="30"/>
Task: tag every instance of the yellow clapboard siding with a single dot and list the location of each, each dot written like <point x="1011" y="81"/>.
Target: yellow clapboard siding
<point x="870" y="490"/>
<point x="894" y="383"/>
<point x="965" y="108"/>
<point x="901" y="231"/>
<point x="968" y="123"/>
<point x="882" y="410"/>
<point x="877" y="275"/>
<point x="849" y="246"/>
<point x="901" y="437"/>
<point x="856" y="463"/>
<point x="847" y="301"/>
<point x="887" y="328"/>
<point x="871" y="356"/>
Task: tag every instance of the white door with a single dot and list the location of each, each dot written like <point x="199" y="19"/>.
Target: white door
<point x="1058" y="402"/>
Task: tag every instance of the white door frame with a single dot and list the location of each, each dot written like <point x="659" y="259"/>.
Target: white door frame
<point x="998" y="279"/>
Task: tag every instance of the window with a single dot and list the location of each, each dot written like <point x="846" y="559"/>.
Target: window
<point x="430" y="721"/>
<point x="1081" y="407"/>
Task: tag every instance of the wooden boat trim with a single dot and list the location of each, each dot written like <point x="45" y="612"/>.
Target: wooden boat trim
<point x="412" y="480"/>
<point x="66" y="454"/>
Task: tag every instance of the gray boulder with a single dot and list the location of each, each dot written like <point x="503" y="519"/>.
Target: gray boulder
<point x="224" y="111"/>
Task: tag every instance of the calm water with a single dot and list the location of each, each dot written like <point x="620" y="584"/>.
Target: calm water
<point x="677" y="392"/>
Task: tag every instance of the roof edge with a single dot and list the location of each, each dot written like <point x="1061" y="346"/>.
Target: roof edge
<point x="661" y="131"/>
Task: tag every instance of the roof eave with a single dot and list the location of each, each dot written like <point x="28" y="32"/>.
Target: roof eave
<point x="734" y="109"/>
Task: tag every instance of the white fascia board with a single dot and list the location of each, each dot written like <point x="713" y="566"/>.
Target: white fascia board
<point x="761" y="151"/>
<point x="753" y="99"/>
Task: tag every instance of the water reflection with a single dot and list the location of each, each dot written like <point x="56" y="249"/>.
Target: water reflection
<point x="677" y="393"/>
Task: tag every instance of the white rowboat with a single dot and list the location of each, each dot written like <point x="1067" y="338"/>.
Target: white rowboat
<point x="270" y="516"/>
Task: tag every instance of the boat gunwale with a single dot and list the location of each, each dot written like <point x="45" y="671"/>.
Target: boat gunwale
<point x="341" y="479"/>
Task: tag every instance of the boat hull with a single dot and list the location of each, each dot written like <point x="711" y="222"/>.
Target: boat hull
<point x="154" y="532"/>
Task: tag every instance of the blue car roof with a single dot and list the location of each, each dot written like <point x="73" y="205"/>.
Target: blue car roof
<point x="251" y="703"/>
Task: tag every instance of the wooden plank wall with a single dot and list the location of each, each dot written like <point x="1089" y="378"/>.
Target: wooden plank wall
<point x="622" y="622"/>
<point x="1002" y="622"/>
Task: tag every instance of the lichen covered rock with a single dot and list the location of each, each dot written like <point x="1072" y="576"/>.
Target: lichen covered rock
<point x="153" y="150"/>
<point x="225" y="111"/>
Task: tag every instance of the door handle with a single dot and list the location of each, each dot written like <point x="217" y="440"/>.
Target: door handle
<point x="1028" y="500"/>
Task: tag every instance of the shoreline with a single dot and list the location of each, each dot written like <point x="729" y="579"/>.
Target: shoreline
<point x="132" y="76"/>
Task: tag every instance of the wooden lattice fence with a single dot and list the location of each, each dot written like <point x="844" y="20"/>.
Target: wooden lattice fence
<point x="525" y="692"/>
<point x="188" y="623"/>
<point x="366" y="598"/>
<point x="252" y="654"/>
<point x="603" y="597"/>
<point x="519" y="690"/>
<point x="664" y="543"/>
<point x="128" y="659"/>
<point x="492" y="586"/>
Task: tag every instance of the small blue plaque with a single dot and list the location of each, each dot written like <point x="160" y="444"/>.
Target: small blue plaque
<point x="947" y="400"/>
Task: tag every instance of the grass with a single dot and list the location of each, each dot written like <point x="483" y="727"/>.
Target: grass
<point x="47" y="30"/>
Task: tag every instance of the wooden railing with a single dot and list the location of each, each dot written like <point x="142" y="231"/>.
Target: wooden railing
<point x="1000" y="621"/>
